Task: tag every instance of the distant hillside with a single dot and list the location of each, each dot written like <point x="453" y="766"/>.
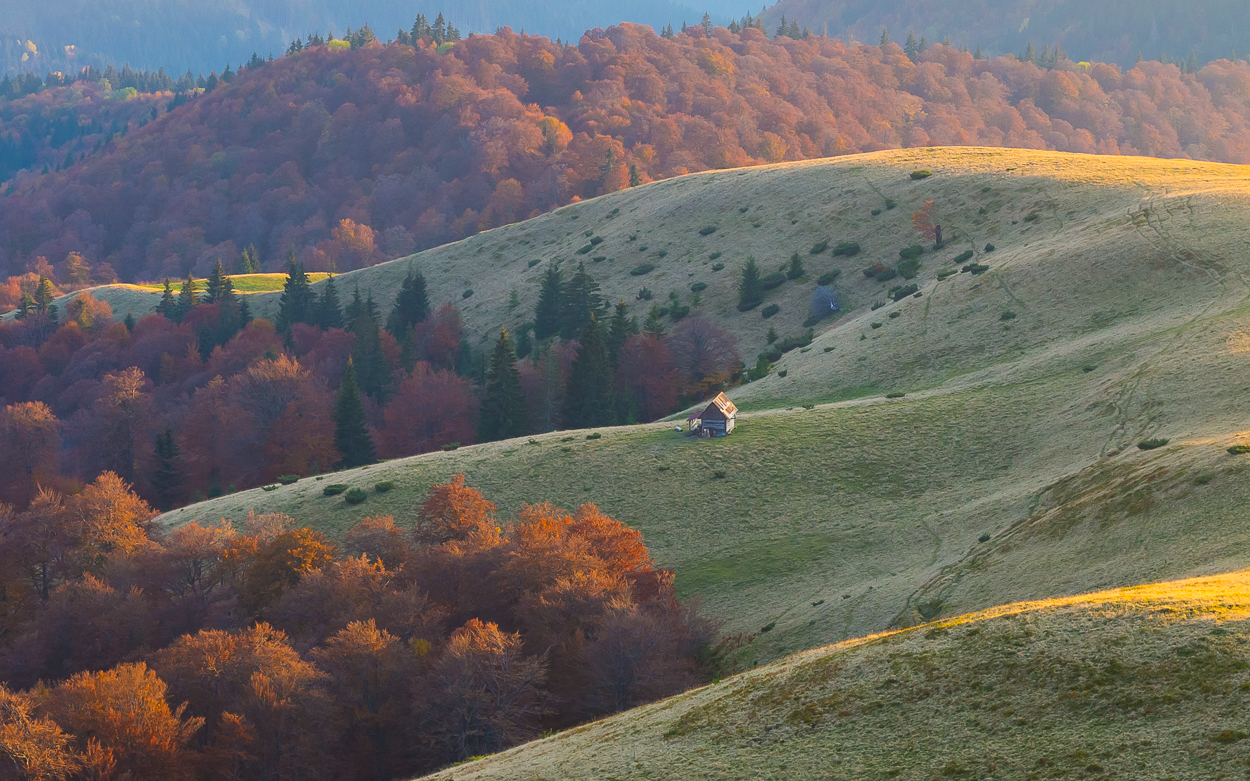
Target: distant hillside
<point x="1106" y="31"/>
<point x="353" y="157"/>
<point x="204" y="35"/>
<point x="1146" y="682"/>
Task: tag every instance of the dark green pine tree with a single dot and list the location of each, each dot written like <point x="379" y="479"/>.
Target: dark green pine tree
<point x="329" y="310"/>
<point x="248" y="262"/>
<point x="911" y="48"/>
<point x="795" y="269"/>
<point x="168" y="307"/>
<point x="371" y="368"/>
<point x="588" y="398"/>
<point x="351" y="436"/>
<point x="45" y="294"/>
<point x="26" y="306"/>
<point x="503" y="410"/>
<point x="654" y="326"/>
<point x="188" y="297"/>
<point x="412" y="306"/>
<point x="166" y="479"/>
<point x="550" y="304"/>
<point x="621" y="329"/>
<point x="298" y="300"/>
<point x="581" y="301"/>
<point x="219" y="286"/>
<point x="129" y="322"/>
<point x="750" y="291"/>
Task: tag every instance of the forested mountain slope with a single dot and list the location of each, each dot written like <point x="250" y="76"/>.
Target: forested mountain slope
<point x="1115" y="31"/>
<point x="351" y="157"/>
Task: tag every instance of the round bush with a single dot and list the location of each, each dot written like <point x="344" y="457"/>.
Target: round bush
<point x="698" y="287"/>
<point x="288" y="479"/>
<point x="773" y="280"/>
<point x="769" y="311"/>
<point x="334" y="489"/>
<point x="644" y="268"/>
<point x="384" y="486"/>
<point x="921" y="174"/>
<point x="355" y="496"/>
<point x="828" y="277"/>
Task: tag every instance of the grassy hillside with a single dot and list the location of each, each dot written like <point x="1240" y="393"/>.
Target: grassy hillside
<point x="1147" y="682"/>
<point x="866" y="512"/>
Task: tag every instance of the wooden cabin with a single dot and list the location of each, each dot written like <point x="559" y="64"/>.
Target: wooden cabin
<point x="716" y="420"/>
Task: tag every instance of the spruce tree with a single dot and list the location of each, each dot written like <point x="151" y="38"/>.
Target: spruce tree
<point x="911" y="48"/>
<point x="329" y="311"/>
<point x="412" y="305"/>
<point x="351" y="436"/>
<point x="166" y="479"/>
<point x="795" y="269"/>
<point x="588" y="398"/>
<point x="248" y="262"/>
<point x="620" y="330"/>
<point x="371" y="368"/>
<point x="750" y="291"/>
<point x="188" y="297"/>
<point x="219" y="286"/>
<point x="129" y="322"/>
<point x="296" y="304"/>
<point x="654" y="326"/>
<point x="550" y="304"/>
<point x="168" y="307"/>
<point x="580" y="302"/>
<point x="503" y="410"/>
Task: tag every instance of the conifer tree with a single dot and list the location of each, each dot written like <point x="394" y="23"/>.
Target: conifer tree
<point x="168" y="307"/>
<point x="248" y="262"/>
<point x="620" y="330"/>
<point x="504" y="414"/>
<point x="371" y="368"/>
<point x="885" y="37"/>
<point x="296" y="304"/>
<point x="750" y="291"/>
<point x="188" y="297"/>
<point x="412" y="305"/>
<point x="351" y="436"/>
<point x="166" y="479"/>
<point x="911" y="48"/>
<point x="129" y="322"/>
<point x="550" y="304"/>
<point x="219" y="287"/>
<point x="654" y="326"/>
<point x="329" y="311"/>
<point x="795" y="269"/>
<point x="580" y="302"/>
<point x="588" y="398"/>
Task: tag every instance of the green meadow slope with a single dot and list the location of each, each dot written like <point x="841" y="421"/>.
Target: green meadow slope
<point x="1146" y="683"/>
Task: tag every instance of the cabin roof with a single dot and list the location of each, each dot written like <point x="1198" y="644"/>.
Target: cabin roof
<point x="721" y="404"/>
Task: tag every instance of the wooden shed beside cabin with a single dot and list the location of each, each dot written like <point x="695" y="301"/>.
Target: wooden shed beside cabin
<point x="716" y="420"/>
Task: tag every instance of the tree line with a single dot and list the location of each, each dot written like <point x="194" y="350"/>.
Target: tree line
<point x="133" y="651"/>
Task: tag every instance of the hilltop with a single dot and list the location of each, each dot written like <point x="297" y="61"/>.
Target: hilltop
<point x="1146" y="682"/>
<point x="1009" y="470"/>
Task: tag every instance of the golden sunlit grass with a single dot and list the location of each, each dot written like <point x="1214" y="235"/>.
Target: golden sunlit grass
<point x="1145" y="682"/>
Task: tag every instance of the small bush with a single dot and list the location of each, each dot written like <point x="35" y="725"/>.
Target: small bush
<point x="818" y="247"/>
<point x="1202" y="479"/>
<point x="829" y="349"/>
<point x="983" y="538"/>
<point x="698" y="287"/>
<point x="719" y="474"/>
<point x="886" y="275"/>
<point x="890" y="203"/>
<point x="747" y="306"/>
<point x="1229" y="736"/>
<point x="846" y="249"/>
<point x="595" y="435"/>
<point x="795" y="269"/>
<point x="921" y="174"/>
<point x="599" y="258"/>
<point x="269" y="487"/>
<point x="989" y="247"/>
<point x="942" y="276"/>
<point x="773" y="280"/>
<point x="902" y="291"/>
<point x="566" y="439"/>
<point x="644" y="294"/>
<point x="334" y="489"/>
<point x="643" y="248"/>
<point x="662" y="253"/>
<point x="596" y="241"/>
<point x="895" y="395"/>
<point x="714" y="256"/>
<point x="974" y="269"/>
<point x="590" y="232"/>
<point x="644" y="268"/>
<point x="1151" y="444"/>
<point x="908" y="269"/>
<point x="467" y="293"/>
<point x="875" y="326"/>
<point x="878" y="305"/>
<point x="783" y="372"/>
<point x="875" y="212"/>
<point x="566" y="449"/>
<point x="288" y="479"/>
<point x="769" y="311"/>
<point x="534" y="262"/>
<point x="1032" y="217"/>
<point x="661" y="468"/>
<point x="743" y="210"/>
<point x="1007" y="315"/>
<point x="793" y="342"/>
<point x="383" y="486"/>
<point x="1089" y="367"/>
<point x="828" y="277"/>
<point x="678" y="312"/>
<point x="768" y="627"/>
<point x="963" y="257"/>
<point x="1238" y="450"/>
<point x="450" y="446"/>
<point x="874" y="270"/>
<point x="895" y="314"/>
<point x="718" y="266"/>
<point x="355" y="496"/>
<point x="585" y="249"/>
<point x="708" y="231"/>
<point x="914" y="251"/>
